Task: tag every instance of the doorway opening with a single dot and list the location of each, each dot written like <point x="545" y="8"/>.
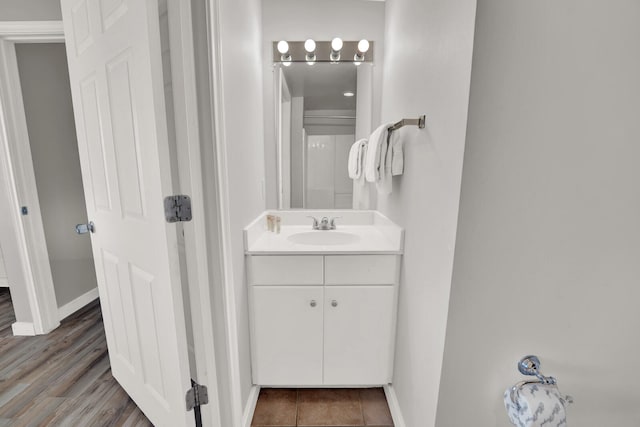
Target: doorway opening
<point x="46" y="95"/>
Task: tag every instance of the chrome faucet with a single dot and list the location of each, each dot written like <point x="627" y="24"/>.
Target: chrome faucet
<point x="324" y="223"/>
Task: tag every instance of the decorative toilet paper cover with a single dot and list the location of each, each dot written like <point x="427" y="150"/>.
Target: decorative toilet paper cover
<point x="536" y="405"/>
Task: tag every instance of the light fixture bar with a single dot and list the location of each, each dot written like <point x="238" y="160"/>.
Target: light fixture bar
<point x="323" y="51"/>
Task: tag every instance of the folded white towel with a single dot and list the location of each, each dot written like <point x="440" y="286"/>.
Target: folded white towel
<point x="356" y="158"/>
<point x="360" y="189"/>
<point x="377" y="147"/>
<point x="383" y="185"/>
<point x="397" y="155"/>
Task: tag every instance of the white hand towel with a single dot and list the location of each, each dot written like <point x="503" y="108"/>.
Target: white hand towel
<point x="384" y="184"/>
<point x="397" y="156"/>
<point x="360" y="188"/>
<point x="362" y="153"/>
<point x="375" y="149"/>
<point x="355" y="163"/>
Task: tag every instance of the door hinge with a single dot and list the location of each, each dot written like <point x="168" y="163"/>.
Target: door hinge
<point x="197" y="395"/>
<point x="177" y="208"/>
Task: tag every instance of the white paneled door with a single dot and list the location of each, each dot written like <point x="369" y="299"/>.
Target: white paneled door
<point x="113" y="49"/>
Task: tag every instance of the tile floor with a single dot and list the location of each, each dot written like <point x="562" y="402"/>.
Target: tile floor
<point x="322" y="407"/>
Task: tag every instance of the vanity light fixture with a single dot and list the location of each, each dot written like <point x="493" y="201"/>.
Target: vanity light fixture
<point x="363" y="47"/>
<point x="336" y="46"/>
<point x="335" y="51"/>
<point x="310" y="47"/>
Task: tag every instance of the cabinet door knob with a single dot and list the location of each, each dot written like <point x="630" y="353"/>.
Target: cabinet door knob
<point x="313" y="303"/>
<point x="334" y="303"/>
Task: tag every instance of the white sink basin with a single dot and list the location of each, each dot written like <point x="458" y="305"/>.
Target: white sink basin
<point x="323" y="238"/>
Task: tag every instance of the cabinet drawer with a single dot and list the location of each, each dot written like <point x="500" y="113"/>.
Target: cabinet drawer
<point x="285" y="270"/>
<point x="361" y="269"/>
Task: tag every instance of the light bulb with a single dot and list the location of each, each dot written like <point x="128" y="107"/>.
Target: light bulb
<point x="309" y="45"/>
<point x="363" y="46"/>
<point x="336" y="44"/>
<point x="348" y="94"/>
<point x="283" y="47"/>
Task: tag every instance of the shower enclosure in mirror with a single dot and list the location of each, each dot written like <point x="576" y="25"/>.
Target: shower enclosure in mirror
<point x="321" y="110"/>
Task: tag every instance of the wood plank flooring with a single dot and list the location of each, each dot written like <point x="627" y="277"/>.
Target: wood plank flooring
<point x="63" y="378"/>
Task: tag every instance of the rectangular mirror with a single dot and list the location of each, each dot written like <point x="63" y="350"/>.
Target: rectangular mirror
<point x="321" y="110"/>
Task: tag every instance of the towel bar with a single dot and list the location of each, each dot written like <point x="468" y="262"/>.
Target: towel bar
<point x="420" y="122"/>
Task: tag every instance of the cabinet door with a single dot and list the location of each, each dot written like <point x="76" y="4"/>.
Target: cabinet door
<point x="287" y="335"/>
<point x="358" y="335"/>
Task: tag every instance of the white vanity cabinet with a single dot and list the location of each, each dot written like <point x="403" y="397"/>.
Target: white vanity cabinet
<point x="322" y="320"/>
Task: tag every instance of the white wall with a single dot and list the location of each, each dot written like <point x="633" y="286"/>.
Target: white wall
<point x="297" y="151"/>
<point x="241" y="66"/>
<point x="427" y="70"/>
<point x="549" y="232"/>
<point x="321" y="20"/>
<point x="30" y="10"/>
<point x="328" y="183"/>
<point x="46" y="94"/>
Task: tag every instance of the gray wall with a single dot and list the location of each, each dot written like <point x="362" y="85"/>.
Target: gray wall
<point x="548" y="248"/>
<point x="46" y="94"/>
<point x="30" y="10"/>
<point x="427" y="70"/>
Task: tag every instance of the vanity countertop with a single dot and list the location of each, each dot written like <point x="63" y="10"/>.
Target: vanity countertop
<point x="362" y="232"/>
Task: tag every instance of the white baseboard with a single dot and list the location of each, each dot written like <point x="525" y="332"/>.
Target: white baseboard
<point x="394" y="406"/>
<point x="75" y="305"/>
<point x="23" y="329"/>
<point x="250" y="406"/>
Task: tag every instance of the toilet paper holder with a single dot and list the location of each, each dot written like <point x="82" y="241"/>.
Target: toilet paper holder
<point x="530" y="365"/>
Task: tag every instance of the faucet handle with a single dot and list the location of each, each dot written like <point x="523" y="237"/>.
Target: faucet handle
<point x="315" y="221"/>
<point x="333" y="221"/>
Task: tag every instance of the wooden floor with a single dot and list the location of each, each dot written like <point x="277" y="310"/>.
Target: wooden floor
<point x="63" y="378"/>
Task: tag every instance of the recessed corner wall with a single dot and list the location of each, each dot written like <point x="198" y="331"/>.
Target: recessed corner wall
<point x="548" y="247"/>
<point x="427" y="70"/>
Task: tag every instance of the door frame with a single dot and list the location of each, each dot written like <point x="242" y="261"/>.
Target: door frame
<point x="199" y="250"/>
<point x="16" y="165"/>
